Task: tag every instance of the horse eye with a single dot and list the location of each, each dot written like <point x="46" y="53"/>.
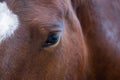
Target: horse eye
<point x="52" y="39"/>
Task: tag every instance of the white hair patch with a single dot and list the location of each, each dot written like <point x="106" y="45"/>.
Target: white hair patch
<point x="9" y="21"/>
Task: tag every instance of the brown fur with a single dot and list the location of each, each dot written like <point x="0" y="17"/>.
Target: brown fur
<point x="100" y="24"/>
<point x="88" y="50"/>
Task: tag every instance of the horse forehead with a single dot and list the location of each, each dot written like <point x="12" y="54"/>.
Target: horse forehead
<point x="9" y="21"/>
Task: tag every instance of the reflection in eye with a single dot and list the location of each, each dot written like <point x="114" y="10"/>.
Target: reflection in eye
<point x="52" y="39"/>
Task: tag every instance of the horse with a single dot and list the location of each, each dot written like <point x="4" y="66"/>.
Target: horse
<point x="59" y="40"/>
<point x="41" y="40"/>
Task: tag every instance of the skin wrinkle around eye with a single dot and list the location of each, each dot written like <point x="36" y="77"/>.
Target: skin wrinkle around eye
<point x="8" y="22"/>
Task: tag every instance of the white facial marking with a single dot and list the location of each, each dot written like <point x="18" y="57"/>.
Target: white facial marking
<point x="8" y="21"/>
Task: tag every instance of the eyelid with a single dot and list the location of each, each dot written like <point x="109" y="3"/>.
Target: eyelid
<point x="57" y="27"/>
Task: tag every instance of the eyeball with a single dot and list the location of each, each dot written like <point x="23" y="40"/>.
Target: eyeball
<point x="52" y="39"/>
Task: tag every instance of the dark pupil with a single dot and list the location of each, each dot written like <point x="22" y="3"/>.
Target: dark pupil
<point x="52" y="39"/>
